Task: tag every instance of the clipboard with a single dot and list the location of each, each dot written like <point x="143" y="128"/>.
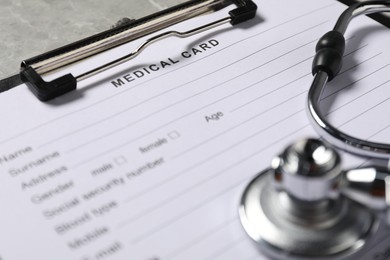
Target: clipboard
<point x="33" y="69"/>
<point x="186" y="202"/>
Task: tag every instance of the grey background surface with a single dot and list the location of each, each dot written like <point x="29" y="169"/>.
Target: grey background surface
<point x="31" y="27"/>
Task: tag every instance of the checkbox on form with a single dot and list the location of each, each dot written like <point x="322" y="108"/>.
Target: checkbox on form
<point x="120" y="160"/>
<point x="174" y="135"/>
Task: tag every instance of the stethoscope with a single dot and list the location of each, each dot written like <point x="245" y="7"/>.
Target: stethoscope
<point x="305" y="206"/>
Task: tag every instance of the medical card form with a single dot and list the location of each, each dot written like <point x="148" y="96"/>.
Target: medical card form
<point x="148" y="160"/>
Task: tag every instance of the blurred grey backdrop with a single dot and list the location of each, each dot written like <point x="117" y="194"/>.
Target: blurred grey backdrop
<point x="31" y="27"/>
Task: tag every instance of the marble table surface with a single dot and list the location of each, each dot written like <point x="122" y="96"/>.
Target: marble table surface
<point x="31" y="27"/>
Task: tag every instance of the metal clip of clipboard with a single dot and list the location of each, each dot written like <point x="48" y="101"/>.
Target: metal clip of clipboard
<point x="33" y="69"/>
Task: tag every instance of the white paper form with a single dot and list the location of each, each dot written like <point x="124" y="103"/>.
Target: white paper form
<point x="148" y="161"/>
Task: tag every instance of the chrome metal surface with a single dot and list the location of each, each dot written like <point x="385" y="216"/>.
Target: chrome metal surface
<point x="287" y="228"/>
<point x="314" y="210"/>
<point x="126" y="36"/>
<point x="32" y="27"/>
<point x="369" y="186"/>
<point x="148" y="42"/>
<point x="287" y="225"/>
<point x="322" y="126"/>
<point x="333" y="135"/>
<point x="339" y="217"/>
<point x="308" y="171"/>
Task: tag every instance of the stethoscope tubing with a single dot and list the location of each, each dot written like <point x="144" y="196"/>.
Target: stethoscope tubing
<point x="325" y="129"/>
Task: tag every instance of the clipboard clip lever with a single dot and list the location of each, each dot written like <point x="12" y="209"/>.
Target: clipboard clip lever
<point x="33" y="69"/>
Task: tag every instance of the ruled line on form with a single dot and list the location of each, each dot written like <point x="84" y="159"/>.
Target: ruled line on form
<point x="219" y="153"/>
<point x="125" y="143"/>
<point x="180" y="86"/>
<point x="94" y="104"/>
<point x="203" y="203"/>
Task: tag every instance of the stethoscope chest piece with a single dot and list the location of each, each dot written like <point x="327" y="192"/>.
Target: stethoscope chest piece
<point x="295" y="210"/>
<point x="305" y="206"/>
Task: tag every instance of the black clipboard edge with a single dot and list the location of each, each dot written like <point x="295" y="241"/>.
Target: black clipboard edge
<point x="246" y="9"/>
<point x="380" y="18"/>
<point x="15" y="80"/>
